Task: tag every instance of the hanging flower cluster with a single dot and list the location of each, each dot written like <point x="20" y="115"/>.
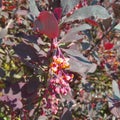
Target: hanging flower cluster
<point x="59" y="79"/>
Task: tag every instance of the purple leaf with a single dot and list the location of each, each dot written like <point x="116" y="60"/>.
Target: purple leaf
<point x="30" y="87"/>
<point x="2" y="72"/>
<point x="67" y="114"/>
<point x="26" y="52"/>
<point x="31" y="38"/>
<point x="0" y="3"/>
<point x="16" y="88"/>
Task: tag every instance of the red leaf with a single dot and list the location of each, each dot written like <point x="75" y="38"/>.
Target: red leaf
<point x="91" y="22"/>
<point x="48" y="24"/>
<point x="108" y="46"/>
<point x="58" y="13"/>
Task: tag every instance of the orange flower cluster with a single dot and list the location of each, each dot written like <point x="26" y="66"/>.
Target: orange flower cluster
<point x="59" y="63"/>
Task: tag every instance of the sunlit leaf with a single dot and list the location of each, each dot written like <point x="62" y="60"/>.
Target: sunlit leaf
<point x="33" y="8"/>
<point x="43" y="118"/>
<point x="77" y="54"/>
<point x="68" y="5"/>
<point x="85" y="12"/>
<point x="22" y="12"/>
<point x="14" y="100"/>
<point x="4" y="31"/>
<point x="117" y="27"/>
<point x="79" y="63"/>
<point x="72" y="34"/>
<point x="115" y="88"/>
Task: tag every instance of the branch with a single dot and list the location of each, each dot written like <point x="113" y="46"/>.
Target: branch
<point x="104" y="35"/>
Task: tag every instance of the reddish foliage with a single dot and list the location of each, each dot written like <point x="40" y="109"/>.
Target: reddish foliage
<point x="91" y="22"/>
<point x="108" y="46"/>
<point x="58" y="13"/>
<point x="49" y="24"/>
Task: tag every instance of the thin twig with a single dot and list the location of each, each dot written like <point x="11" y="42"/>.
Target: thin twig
<point x="104" y="35"/>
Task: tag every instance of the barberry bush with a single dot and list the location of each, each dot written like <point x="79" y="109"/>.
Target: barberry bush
<point x="59" y="59"/>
